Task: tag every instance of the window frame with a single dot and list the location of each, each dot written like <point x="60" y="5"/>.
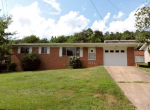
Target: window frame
<point x="65" y="49"/>
<point x="24" y="51"/>
<point x="44" y="50"/>
<point x="91" y="52"/>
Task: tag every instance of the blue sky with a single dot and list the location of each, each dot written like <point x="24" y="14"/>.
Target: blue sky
<point x="46" y="18"/>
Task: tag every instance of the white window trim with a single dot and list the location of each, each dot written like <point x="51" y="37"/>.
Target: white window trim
<point x="60" y="51"/>
<point x="30" y="49"/>
<point x="48" y="50"/>
<point x="19" y="49"/>
<point x="81" y="51"/>
<point x="40" y="50"/>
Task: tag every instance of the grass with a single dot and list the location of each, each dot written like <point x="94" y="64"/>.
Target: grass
<point x="66" y="89"/>
<point x="145" y="69"/>
<point x="143" y="63"/>
<point x="133" y="82"/>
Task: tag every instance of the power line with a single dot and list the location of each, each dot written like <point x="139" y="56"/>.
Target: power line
<point x="99" y="14"/>
<point x="96" y="10"/>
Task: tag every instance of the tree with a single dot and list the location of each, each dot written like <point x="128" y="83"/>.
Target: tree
<point x="5" y="49"/>
<point x="31" y="39"/>
<point x="142" y="16"/>
<point x="44" y="40"/>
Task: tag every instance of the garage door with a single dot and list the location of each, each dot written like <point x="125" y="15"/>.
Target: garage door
<point x="115" y="57"/>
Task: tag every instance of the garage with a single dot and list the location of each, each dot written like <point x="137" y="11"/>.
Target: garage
<point x="115" y="57"/>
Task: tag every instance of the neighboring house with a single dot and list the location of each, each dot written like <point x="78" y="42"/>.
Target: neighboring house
<point x="55" y="55"/>
<point x="146" y="54"/>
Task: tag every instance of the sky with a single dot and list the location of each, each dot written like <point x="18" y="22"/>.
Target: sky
<point x="47" y="18"/>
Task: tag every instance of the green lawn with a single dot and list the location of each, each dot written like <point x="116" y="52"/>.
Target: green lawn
<point x="145" y="69"/>
<point x="143" y="63"/>
<point x="65" y="89"/>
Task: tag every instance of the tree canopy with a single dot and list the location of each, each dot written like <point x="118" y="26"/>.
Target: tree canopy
<point x="5" y="49"/>
<point x="142" y="16"/>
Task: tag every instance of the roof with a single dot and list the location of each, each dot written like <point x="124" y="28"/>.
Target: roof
<point x="143" y="46"/>
<point x="79" y="44"/>
<point x="119" y="41"/>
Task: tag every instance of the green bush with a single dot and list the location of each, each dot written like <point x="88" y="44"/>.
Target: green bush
<point x="74" y="62"/>
<point x="3" y="67"/>
<point x="12" y="66"/>
<point x="30" y="62"/>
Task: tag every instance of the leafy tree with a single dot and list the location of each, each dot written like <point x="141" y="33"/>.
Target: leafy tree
<point x="31" y="39"/>
<point x="5" y="49"/>
<point x="93" y="38"/>
<point x="72" y="39"/>
<point x="44" y="40"/>
<point x="61" y="39"/>
<point x="142" y="16"/>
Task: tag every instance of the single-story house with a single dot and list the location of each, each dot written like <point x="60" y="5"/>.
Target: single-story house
<point x="146" y="54"/>
<point x="55" y="55"/>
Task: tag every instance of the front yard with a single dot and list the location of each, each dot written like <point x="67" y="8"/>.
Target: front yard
<point x="65" y="89"/>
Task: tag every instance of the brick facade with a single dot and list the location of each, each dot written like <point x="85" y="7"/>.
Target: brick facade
<point x="130" y="56"/>
<point x="139" y="53"/>
<point x="91" y="63"/>
<point x="53" y="61"/>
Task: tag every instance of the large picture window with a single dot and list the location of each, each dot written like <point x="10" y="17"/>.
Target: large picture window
<point x="71" y="51"/>
<point x="24" y="49"/>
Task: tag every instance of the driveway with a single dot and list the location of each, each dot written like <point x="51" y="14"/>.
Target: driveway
<point x="135" y="84"/>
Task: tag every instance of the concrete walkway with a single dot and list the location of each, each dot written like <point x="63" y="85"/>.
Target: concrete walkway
<point x="135" y="84"/>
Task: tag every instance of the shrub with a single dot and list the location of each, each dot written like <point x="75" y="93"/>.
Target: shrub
<point x="12" y="66"/>
<point x="30" y="62"/>
<point x="3" y="67"/>
<point x="74" y="62"/>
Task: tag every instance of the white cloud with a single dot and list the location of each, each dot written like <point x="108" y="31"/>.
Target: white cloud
<point x="115" y="26"/>
<point x="27" y="21"/>
<point x="121" y="26"/>
<point x="100" y="25"/>
<point x="120" y="14"/>
<point x="55" y="5"/>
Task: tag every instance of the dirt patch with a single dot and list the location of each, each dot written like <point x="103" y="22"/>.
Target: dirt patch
<point x="110" y="98"/>
<point x="85" y="73"/>
<point x="97" y="95"/>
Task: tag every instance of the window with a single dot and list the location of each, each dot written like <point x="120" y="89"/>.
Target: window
<point x="43" y="49"/>
<point x="111" y="51"/>
<point x="24" y="49"/>
<point x="91" y="54"/>
<point x="117" y="51"/>
<point x="122" y="51"/>
<point x="71" y="51"/>
<point x="106" y="51"/>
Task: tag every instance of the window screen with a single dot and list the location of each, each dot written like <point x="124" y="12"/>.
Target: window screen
<point x="44" y="50"/>
<point x="92" y="56"/>
<point x="71" y="51"/>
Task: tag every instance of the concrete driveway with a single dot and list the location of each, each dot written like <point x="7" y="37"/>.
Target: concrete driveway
<point x="135" y="84"/>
